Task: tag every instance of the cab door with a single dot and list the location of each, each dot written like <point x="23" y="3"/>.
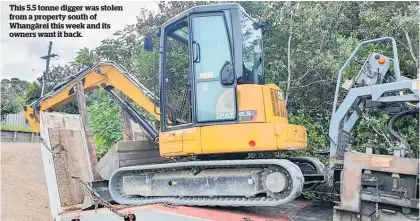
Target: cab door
<point x="175" y="86"/>
<point x="214" y="97"/>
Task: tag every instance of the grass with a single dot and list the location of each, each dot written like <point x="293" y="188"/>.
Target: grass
<point x="16" y="128"/>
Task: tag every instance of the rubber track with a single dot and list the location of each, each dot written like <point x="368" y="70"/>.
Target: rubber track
<point x="294" y="171"/>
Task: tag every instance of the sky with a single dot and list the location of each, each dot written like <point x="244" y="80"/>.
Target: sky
<point x="20" y="57"/>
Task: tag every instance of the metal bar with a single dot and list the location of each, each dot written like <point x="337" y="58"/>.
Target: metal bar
<point x="134" y="115"/>
<point x="356" y="50"/>
<point x="375" y="92"/>
<point x="403" y="98"/>
<point x="155" y="83"/>
<point x="390" y="200"/>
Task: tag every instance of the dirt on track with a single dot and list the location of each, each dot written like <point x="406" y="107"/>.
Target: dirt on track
<point x="24" y="195"/>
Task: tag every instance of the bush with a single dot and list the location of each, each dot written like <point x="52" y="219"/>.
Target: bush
<point x="105" y="122"/>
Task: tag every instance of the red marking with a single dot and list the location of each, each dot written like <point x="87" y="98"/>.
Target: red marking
<point x="217" y="214"/>
<point x="252" y="143"/>
<point x="254" y="117"/>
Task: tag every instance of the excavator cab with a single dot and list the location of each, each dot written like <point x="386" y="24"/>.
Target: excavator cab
<point x="211" y="73"/>
<point x="216" y="48"/>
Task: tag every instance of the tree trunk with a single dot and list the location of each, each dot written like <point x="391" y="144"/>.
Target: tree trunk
<point x="289" y="43"/>
<point x="81" y="104"/>
<point x="410" y="48"/>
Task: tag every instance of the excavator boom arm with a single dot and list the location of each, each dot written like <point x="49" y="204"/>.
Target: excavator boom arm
<point x="103" y="74"/>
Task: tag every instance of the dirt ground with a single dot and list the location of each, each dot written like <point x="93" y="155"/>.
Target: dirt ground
<point x="24" y="193"/>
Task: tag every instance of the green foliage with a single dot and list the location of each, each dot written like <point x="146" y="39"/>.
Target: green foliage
<point x="409" y="128"/>
<point x="33" y="92"/>
<point x="9" y="104"/>
<point x="16" y="128"/>
<point x="105" y="121"/>
<point x="315" y="129"/>
<point x="85" y="57"/>
<point x="12" y="93"/>
<point x="373" y="127"/>
<point x="365" y="131"/>
<point x="144" y="62"/>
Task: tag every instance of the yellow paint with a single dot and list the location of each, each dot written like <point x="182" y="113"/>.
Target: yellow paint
<point x="235" y="138"/>
<point x="290" y="137"/>
<point x="170" y="142"/>
<point x="206" y="75"/>
<point x="32" y="119"/>
<point x="110" y="76"/>
<point x="251" y="97"/>
<point x="264" y="99"/>
<point x="191" y="143"/>
<point x="275" y="108"/>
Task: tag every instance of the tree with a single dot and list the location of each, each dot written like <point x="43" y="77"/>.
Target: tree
<point x="57" y="76"/>
<point x="84" y="58"/>
<point x="105" y="121"/>
<point x="12" y="92"/>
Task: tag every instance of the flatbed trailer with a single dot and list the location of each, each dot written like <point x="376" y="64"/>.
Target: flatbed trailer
<point x="298" y="210"/>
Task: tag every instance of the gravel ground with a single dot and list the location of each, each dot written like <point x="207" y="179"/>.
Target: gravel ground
<point x="24" y="195"/>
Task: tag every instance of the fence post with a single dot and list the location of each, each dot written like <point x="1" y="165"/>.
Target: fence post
<point x="14" y="136"/>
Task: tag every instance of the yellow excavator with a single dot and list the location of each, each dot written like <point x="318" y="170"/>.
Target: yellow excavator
<point x="229" y="111"/>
